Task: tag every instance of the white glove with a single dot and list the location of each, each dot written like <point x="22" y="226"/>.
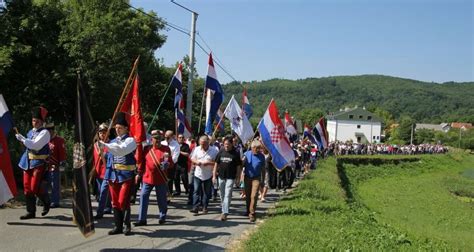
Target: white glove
<point x="20" y="137"/>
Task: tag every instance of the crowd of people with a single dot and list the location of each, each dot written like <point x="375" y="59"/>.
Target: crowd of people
<point x="350" y="148"/>
<point x="206" y="169"/>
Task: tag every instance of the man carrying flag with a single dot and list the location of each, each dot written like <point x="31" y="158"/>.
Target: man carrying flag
<point x="121" y="164"/>
<point x="33" y="163"/>
<point x="7" y="180"/>
<point x="214" y="96"/>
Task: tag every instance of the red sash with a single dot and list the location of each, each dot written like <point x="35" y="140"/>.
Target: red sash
<point x="157" y="165"/>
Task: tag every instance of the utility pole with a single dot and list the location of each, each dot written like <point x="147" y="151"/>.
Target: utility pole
<point x="411" y="136"/>
<point x="189" y="97"/>
<point x="460" y="136"/>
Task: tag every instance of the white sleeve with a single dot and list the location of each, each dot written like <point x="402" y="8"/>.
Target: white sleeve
<point x="39" y="142"/>
<point x="123" y="148"/>
<point x="175" y="151"/>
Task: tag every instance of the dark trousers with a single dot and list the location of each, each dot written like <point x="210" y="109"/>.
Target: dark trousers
<point x="181" y="174"/>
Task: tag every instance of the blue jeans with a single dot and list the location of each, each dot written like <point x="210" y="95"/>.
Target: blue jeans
<point x="161" y="191"/>
<point x="225" y="188"/>
<point x="202" y="190"/>
<point x="55" y="181"/>
<point x="104" y="196"/>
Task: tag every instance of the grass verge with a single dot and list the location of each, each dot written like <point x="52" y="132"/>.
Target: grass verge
<point x="320" y="214"/>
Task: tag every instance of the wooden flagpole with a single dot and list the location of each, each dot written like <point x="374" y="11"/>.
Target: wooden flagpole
<point x="125" y="92"/>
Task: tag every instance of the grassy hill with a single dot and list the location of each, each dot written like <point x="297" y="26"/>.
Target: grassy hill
<point x="423" y="101"/>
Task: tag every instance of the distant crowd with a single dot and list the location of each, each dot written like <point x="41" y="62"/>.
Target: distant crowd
<point x="348" y="148"/>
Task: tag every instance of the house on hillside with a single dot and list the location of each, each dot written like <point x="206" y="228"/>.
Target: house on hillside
<point x="356" y="124"/>
<point x="460" y="125"/>
<point x="444" y="127"/>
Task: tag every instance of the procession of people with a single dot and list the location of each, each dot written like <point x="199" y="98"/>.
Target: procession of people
<point x="212" y="166"/>
<point x="170" y="165"/>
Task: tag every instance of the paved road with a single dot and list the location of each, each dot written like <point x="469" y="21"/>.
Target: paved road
<point x="181" y="232"/>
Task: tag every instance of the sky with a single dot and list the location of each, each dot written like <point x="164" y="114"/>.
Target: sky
<point x="258" y="40"/>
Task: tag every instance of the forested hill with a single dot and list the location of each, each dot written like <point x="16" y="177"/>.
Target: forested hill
<point x="422" y="101"/>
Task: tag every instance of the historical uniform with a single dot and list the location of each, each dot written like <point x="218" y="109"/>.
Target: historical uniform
<point x="33" y="163"/>
<point x="121" y="165"/>
<point x="56" y="162"/>
<point x="99" y="155"/>
<point x="157" y="162"/>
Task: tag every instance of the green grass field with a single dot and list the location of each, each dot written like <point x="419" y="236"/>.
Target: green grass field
<point x="368" y="203"/>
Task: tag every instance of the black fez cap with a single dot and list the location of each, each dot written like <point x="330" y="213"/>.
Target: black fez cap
<point x="121" y="119"/>
<point x="39" y="113"/>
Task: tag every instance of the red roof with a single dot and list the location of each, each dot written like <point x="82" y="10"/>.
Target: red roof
<point x="458" y="125"/>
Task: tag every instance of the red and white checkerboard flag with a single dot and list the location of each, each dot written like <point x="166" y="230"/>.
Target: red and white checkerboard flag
<point x="273" y="136"/>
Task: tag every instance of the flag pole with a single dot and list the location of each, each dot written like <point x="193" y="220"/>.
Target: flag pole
<point x="161" y="103"/>
<point x="221" y="119"/>
<point x="202" y="105"/>
<point x="125" y="92"/>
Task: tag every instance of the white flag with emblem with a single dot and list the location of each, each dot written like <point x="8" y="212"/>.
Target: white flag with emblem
<point x="238" y="121"/>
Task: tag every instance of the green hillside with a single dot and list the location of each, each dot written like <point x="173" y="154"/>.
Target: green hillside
<point x="423" y="101"/>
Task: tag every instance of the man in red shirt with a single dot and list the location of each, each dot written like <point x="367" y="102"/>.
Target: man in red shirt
<point x="56" y="163"/>
<point x="157" y="161"/>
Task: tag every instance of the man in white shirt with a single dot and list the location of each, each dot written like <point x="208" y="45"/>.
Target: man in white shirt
<point x="202" y="157"/>
<point x="175" y="151"/>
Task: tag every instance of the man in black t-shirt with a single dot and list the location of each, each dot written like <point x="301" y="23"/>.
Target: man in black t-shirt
<point x="181" y="173"/>
<point x="227" y="167"/>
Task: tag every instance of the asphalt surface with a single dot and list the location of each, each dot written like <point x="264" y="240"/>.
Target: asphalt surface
<point x="181" y="232"/>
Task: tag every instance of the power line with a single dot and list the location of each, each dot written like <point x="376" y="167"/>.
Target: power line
<point x="187" y="32"/>
<point x="218" y="62"/>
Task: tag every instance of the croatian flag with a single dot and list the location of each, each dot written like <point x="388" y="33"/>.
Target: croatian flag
<point x="289" y="125"/>
<point x="214" y="96"/>
<point x="273" y="137"/>
<point x="7" y="180"/>
<point x="307" y="134"/>
<point x="246" y="105"/>
<point x="321" y="134"/>
<point x="182" y="124"/>
<point x="177" y="83"/>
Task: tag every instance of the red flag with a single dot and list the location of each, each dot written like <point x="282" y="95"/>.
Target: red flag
<point x="7" y="180"/>
<point x="131" y="107"/>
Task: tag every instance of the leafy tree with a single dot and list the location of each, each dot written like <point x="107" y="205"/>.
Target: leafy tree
<point x="309" y="115"/>
<point x="403" y="132"/>
<point x="102" y="39"/>
<point x="424" y="136"/>
<point x="33" y="67"/>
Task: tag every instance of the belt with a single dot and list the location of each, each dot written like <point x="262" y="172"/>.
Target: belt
<point x="33" y="156"/>
<point x="123" y="167"/>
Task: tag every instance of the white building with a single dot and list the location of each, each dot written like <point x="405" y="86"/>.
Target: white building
<point x="356" y="124"/>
